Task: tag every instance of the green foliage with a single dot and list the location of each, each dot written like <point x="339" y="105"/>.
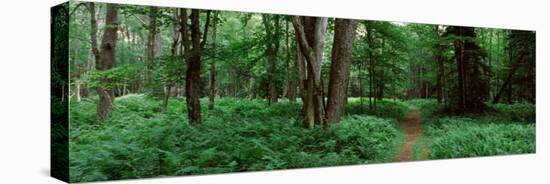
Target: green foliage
<point x="386" y="108"/>
<point x="108" y="79"/>
<point x="428" y="107"/>
<point x="519" y="112"/>
<point x="371" y="137"/>
<point x="172" y="71"/>
<point x="468" y="137"/>
<point x="237" y="135"/>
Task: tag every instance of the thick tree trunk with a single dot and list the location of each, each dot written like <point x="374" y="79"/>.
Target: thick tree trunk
<point x="344" y="32"/>
<point x="93" y="31"/>
<point x="311" y="35"/>
<point x="309" y="108"/>
<point x="192" y="89"/>
<point x="302" y="72"/>
<point x="107" y="61"/>
<point x="461" y="76"/>
<point x="470" y="83"/>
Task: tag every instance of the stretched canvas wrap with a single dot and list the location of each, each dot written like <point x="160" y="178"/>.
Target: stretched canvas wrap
<point x="144" y="91"/>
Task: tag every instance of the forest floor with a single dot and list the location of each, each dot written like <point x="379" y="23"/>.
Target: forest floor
<point x="412" y="125"/>
<point x="140" y="140"/>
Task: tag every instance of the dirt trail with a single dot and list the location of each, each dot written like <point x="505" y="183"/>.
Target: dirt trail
<point x="413" y="131"/>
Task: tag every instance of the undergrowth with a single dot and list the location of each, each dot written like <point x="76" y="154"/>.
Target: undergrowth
<point x="502" y="129"/>
<point x="237" y="135"/>
<point x="455" y="137"/>
<point x="386" y="108"/>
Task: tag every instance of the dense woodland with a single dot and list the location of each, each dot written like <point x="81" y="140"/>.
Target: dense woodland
<point x="175" y="91"/>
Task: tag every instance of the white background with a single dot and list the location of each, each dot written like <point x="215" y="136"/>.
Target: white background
<point x="24" y="92"/>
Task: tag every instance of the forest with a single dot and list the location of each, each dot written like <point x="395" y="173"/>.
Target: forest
<point x="157" y="91"/>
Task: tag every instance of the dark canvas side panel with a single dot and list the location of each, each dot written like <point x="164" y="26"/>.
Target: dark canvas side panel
<point x="59" y="89"/>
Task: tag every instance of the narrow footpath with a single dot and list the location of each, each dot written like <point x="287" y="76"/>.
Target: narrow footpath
<point x="412" y="125"/>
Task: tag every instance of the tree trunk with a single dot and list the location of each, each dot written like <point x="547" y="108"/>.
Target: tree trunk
<point x="361" y="85"/>
<point x="302" y="72"/>
<point x="107" y="61"/>
<point x="272" y="48"/>
<point x="151" y="39"/>
<point x="212" y="94"/>
<point x="371" y="67"/>
<point x="193" y="49"/>
<point x="470" y="82"/>
<point x="167" y="90"/>
<point x="440" y="66"/>
<point x="344" y="33"/>
<point x="311" y="36"/>
<point x="93" y="31"/>
<point x="507" y="81"/>
<point x="291" y="75"/>
<point x="174" y="52"/>
<point x="77" y="70"/>
<point x="77" y="92"/>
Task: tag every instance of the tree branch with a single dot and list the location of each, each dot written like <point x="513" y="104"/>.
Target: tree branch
<point x="206" y="25"/>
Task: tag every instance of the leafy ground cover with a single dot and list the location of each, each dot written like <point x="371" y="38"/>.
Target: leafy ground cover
<point x="237" y="135"/>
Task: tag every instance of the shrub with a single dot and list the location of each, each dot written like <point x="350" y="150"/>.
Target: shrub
<point x="237" y="135"/>
<point x="428" y="107"/>
<point x="467" y="137"/>
<point x="371" y="137"/>
<point x="386" y="108"/>
<point x="522" y="112"/>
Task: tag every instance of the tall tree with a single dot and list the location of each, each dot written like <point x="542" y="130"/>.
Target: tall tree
<point x="212" y="70"/>
<point x="344" y="33"/>
<point x="193" y="48"/>
<point x="291" y="69"/>
<point x="471" y="83"/>
<point x="371" y="65"/>
<point x="438" y="57"/>
<point x="311" y="34"/>
<point x="523" y="45"/>
<point x="107" y="61"/>
<point x="174" y="51"/>
<point x="273" y="34"/>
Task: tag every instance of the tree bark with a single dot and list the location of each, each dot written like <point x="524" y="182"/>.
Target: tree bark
<point x="212" y="94"/>
<point x="107" y="61"/>
<point x="93" y="31"/>
<point x="291" y="75"/>
<point x="311" y="34"/>
<point x="470" y="82"/>
<point x="344" y="33"/>
<point x="193" y="49"/>
<point x="151" y="20"/>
